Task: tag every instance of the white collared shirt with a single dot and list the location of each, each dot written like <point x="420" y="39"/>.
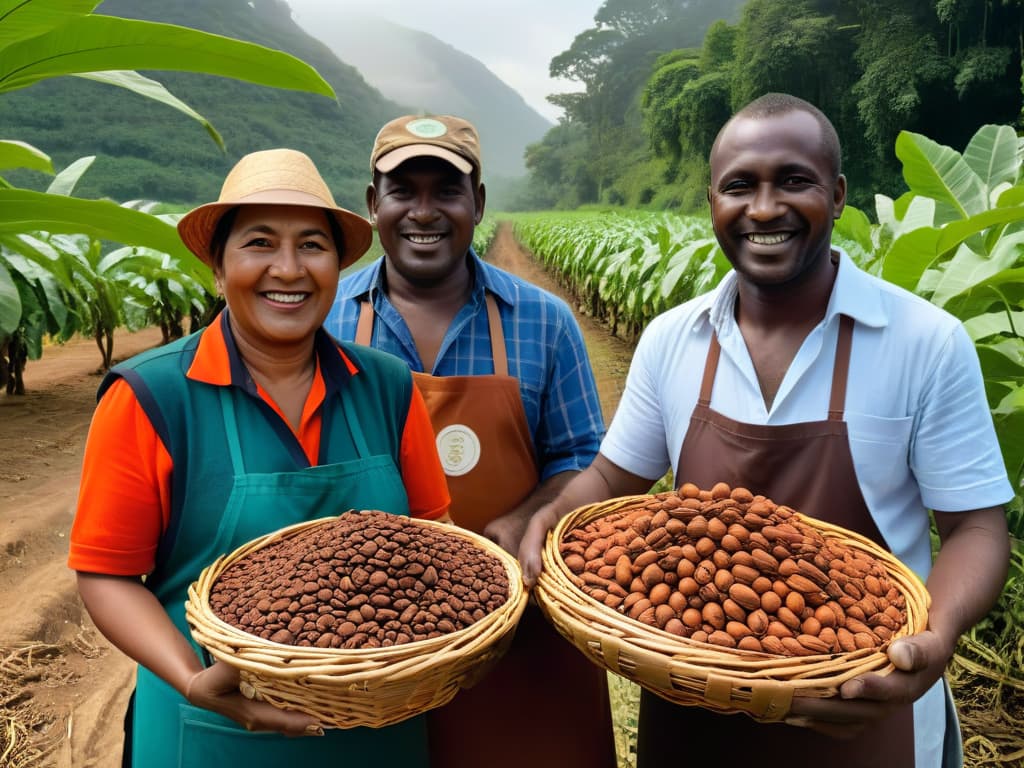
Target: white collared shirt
<point x="920" y="429"/>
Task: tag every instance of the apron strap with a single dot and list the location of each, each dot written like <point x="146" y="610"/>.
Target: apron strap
<point x="352" y="421"/>
<point x="498" y="354"/>
<point x="841" y="369"/>
<point x="710" y="367"/>
<point x="227" y="409"/>
<point x="364" y="332"/>
<point x="364" y="328"/>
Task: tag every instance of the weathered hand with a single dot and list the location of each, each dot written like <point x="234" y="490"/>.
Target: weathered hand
<point x="543" y="520"/>
<point x="216" y="688"/>
<point x="507" y="531"/>
<point x="919" y="660"/>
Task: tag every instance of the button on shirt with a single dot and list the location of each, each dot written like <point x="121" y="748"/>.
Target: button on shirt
<point x="921" y="434"/>
<point x="546" y="353"/>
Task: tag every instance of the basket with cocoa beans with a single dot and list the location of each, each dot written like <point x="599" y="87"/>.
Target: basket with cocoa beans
<point x="724" y="598"/>
<point x="365" y="618"/>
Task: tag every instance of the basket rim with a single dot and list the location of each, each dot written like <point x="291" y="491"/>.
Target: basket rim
<point x="555" y="577"/>
<point x="198" y="611"/>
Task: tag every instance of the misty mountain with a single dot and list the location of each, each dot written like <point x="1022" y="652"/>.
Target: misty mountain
<point x="415" y="68"/>
<point x="147" y="150"/>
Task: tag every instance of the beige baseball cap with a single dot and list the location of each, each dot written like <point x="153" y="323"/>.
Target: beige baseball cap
<point x="445" y="136"/>
<point x="274" y="177"/>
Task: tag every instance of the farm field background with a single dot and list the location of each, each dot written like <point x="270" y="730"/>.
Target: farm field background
<point x="63" y="689"/>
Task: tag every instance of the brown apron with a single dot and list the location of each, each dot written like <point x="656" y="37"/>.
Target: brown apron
<point x="543" y="703"/>
<point x="806" y="466"/>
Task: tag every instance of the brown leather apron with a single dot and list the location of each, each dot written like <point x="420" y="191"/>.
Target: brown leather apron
<point x="543" y="703"/>
<point x="806" y="466"/>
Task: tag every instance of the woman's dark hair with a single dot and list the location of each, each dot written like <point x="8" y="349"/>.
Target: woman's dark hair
<point x="219" y="238"/>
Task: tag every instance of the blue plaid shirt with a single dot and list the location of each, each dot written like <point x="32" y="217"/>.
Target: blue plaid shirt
<point x="545" y="348"/>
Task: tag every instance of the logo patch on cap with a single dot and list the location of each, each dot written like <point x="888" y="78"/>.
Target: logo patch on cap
<point x="426" y="128"/>
<point x="459" y="449"/>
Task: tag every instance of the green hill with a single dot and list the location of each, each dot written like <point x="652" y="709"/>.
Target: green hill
<point x="146" y="150"/>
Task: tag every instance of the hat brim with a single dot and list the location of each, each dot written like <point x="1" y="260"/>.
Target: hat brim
<point x="197" y="226"/>
<point x="388" y="162"/>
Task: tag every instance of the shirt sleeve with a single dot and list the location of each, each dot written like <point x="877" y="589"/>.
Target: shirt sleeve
<point x="955" y="454"/>
<point x="424" y="479"/>
<point x="124" y="495"/>
<point x="571" y="425"/>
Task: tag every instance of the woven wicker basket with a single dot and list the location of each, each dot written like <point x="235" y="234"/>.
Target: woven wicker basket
<point x="694" y="673"/>
<point x="345" y="688"/>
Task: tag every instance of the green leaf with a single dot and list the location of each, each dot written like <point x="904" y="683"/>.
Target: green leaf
<point x="21" y="20"/>
<point x="10" y="303"/>
<point x="954" y="233"/>
<point x="1004" y="290"/>
<point x="27" y="211"/>
<point x="99" y="43"/>
<point x="992" y="155"/>
<point x="66" y="180"/>
<point x="855" y="225"/>
<point x="909" y="256"/>
<point x="151" y="89"/>
<point x="968" y="268"/>
<point x="1003" y="361"/>
<point x="940" y="172"/>
<point x="1012" y="196"/>
<point x="18" y="154"/>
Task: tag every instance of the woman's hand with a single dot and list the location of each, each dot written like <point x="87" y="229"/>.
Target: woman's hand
<point x="216" y="689"/>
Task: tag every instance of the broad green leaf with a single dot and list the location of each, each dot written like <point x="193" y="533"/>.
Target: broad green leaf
<point x="909" y="256"/>
<point x="66" y="180"/>
<point x="1012" y="196"/>
<point x="1003" y="361"/>
<point x="919" y="212"/>
<point x="101" y="43"/>
<point x="18" y="154"/>
<point x="21" y="19"/>
<point x="955" y="233"/>
<point x="992" y="155"/>
<point x="940" y="172"/>
<point x="28" y="211"/>
<point x="1004" y="290"/>
<point x="10" y="303"/>
<point x="885" y="211"/>
<point x="995" y="324"/>
<point x="151" y="89"/>
<point x="855" y="225"/>
<point x="967" y="269"/>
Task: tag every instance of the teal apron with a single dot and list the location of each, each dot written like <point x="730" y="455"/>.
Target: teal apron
<point x="170" y="733"/>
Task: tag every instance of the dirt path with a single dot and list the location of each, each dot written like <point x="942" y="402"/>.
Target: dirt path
<point x="63" y="689"/>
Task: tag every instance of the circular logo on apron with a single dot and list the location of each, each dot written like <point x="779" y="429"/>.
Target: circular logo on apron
<point x="459" y="449"/>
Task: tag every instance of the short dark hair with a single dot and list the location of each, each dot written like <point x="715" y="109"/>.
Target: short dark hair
<point x="771" y="104"/>
<point x="219" y="238"/>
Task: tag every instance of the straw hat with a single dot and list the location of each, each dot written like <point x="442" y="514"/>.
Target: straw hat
<point x="274" y="177"/>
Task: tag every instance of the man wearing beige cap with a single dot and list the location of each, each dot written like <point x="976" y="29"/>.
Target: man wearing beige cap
<point x="505" y="375"/>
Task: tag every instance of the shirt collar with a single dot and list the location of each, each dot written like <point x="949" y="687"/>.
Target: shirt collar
<point x="369" y="282"/>
<point x="217" y="360"/>
<point x="854" y="293"/>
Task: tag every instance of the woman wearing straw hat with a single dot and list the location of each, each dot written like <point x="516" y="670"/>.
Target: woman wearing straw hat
<point x="259" y="421"/>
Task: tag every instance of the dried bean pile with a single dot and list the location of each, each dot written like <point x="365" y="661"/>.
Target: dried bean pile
<point x="362" y="580"/>
<point x="732" y="569"/>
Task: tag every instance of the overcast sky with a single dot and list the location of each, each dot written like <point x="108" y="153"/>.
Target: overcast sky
<point x="515" y="39"/>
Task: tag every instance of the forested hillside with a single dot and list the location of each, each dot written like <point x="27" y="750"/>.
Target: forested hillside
<point x="147" y="150"/>
<point x="655" y="89"/>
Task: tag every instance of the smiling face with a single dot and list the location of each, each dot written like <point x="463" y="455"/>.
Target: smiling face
<point x="774" y="195"/>
<point x="279" y="274"/>
<point x="426" y="211"/>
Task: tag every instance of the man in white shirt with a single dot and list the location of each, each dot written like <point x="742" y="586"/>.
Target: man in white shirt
<point x="803" y="378"/>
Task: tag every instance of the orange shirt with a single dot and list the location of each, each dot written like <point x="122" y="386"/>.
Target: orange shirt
<point x="124" y="501"/>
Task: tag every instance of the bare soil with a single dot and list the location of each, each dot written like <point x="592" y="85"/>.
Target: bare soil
<point x="63" y="688"/>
